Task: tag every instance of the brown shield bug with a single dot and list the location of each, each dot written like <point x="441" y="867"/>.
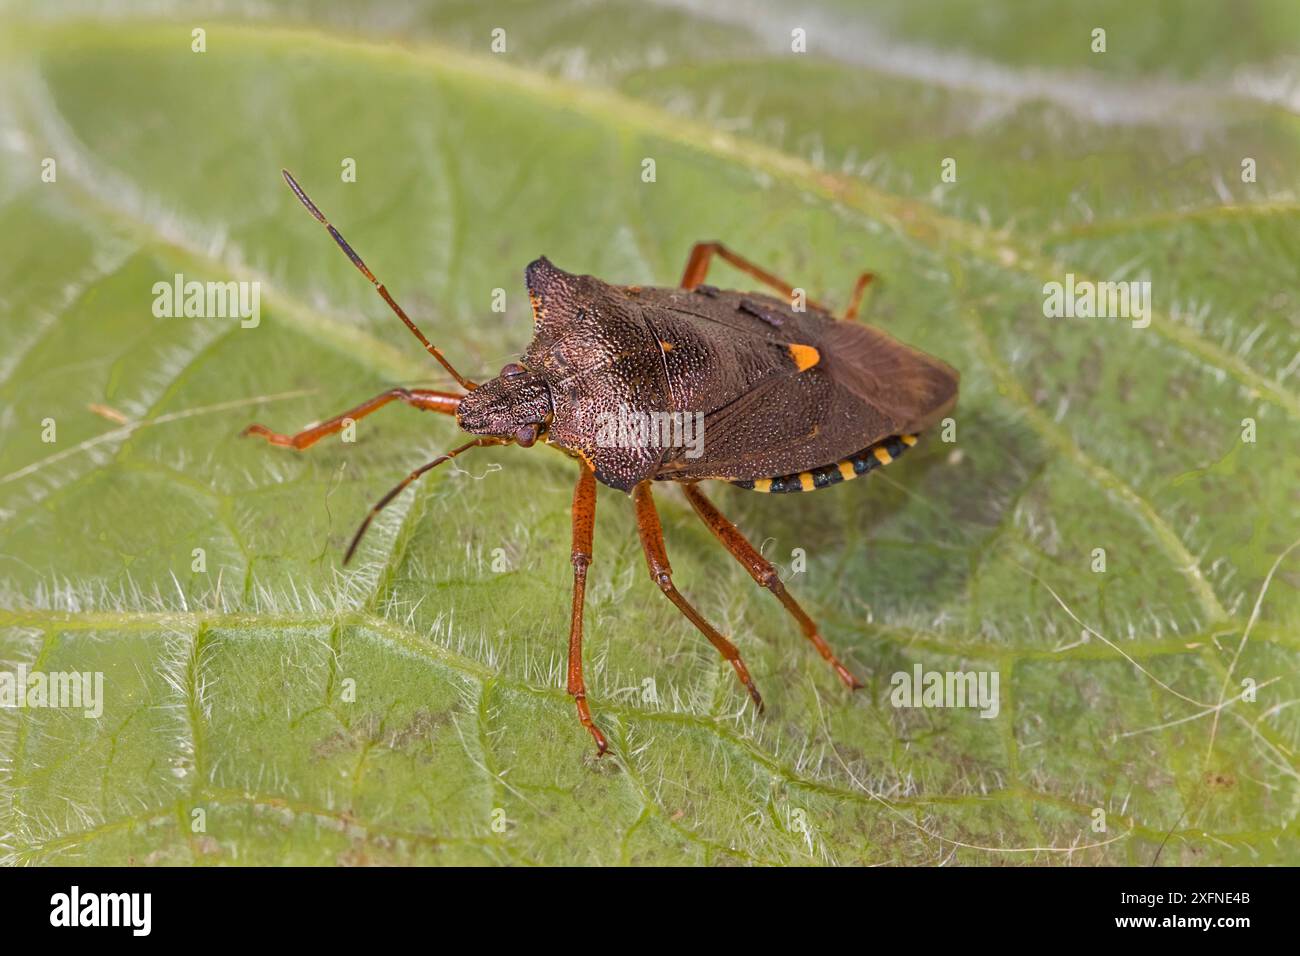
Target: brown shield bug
<point x="628" y="381"/>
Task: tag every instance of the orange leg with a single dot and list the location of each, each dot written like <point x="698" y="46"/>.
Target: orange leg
<point x="656" y="556"/>
<point x="421" y="398"/>
<point x="584" y="525"/>
<point x="855" y="300"/>
<point x="697" y="268"/>
<point x="761" y="570"/>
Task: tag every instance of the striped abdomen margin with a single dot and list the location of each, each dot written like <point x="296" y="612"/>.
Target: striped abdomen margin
<point x="881" y="453"/>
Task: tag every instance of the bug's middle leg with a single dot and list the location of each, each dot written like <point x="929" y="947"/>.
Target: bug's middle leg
<point x="656" y="556"/>
<point x="584" y="523"/>
<point x="702" y="253"/>
<point x="422" y="398"/>
<point x="762" y="571"/>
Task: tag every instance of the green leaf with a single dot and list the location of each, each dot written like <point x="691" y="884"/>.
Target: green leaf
<point x="274" y="707"/>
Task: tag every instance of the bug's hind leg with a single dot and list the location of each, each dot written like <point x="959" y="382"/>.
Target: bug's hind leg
<point x="702" y="253"/>
<point x="584" y="523"/>
<point x="656" y="556"/>
<point x="855" y="300"/>
<point x="421" y="398"/>
<point x="762" y="571"/>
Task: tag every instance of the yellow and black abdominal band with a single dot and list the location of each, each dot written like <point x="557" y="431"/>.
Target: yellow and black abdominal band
<point x="881" y="453"/>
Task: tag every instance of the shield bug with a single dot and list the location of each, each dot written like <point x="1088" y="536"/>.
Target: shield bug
<point x="776" y="398"/>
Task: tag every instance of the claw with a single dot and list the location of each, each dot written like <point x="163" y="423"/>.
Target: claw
<point x="743" y="673"/>
<point x="850" y="681"/>
<point x="584" y="716"/>
<point x="256" y="429"/>
<point x="274" y="438"/>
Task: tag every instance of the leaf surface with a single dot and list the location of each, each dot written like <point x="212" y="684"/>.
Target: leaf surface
<point x="412" y="709"/>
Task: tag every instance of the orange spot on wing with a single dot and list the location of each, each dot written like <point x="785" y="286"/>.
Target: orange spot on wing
<point x="804" y="356"/>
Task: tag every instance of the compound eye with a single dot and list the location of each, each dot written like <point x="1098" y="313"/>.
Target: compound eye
<point x="513" y="370"/>
<point x="527" y="435"/>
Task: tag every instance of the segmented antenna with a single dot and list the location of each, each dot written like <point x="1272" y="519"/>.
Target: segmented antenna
<point x="379" y="286"/>
<point x="401" y="486"/>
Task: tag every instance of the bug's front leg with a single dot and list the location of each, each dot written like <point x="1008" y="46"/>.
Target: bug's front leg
<point x="656" y="556"/>
<point x="702" y="253"/>
<point x="762" y="571"/>
<point x="421" y="398"/>
<point x="584" y="525"/>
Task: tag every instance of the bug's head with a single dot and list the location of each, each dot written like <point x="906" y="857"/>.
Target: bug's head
<point x="514" y="405"/>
